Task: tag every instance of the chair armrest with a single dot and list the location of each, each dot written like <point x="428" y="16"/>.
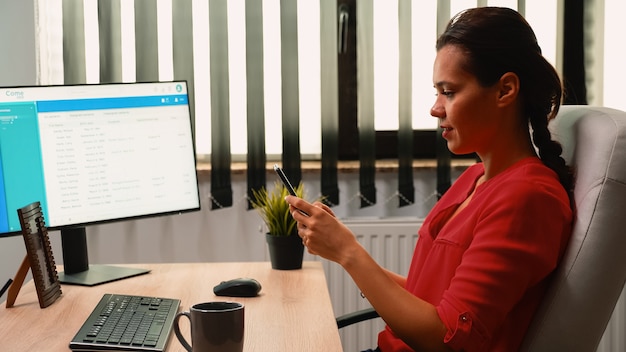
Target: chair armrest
<point x="356" y="317"/>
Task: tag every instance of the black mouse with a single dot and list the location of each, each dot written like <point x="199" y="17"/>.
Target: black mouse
<point x="242" y="287"/>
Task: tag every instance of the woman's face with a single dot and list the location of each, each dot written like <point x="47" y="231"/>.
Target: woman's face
<point x="465" y="109"/>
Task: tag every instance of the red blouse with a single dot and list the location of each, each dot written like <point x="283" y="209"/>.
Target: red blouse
<point x="485" y="270"/>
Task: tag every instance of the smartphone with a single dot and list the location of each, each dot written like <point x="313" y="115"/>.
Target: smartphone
<point x="287" y="184"/>
<point x="285" y="180"/>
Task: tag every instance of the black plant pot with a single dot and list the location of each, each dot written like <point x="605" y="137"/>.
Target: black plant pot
<point x="286" y="252"/>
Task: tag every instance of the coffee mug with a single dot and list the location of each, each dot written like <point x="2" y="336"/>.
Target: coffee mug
<point x="215" y="327"/>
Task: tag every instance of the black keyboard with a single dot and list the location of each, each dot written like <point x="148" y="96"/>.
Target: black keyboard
<point x="127" y="323"/>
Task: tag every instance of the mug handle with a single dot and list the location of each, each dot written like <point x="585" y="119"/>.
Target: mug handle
<point x="180" y="336"/>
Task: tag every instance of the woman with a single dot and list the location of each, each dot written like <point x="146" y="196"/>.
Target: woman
<point x="487" y="248"/>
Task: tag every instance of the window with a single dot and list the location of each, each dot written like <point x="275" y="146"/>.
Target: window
<point x="385" y="41"/>
<point x="607" y="57"/>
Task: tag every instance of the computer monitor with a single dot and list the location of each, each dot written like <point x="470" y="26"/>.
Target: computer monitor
<point x="94" y="154"/>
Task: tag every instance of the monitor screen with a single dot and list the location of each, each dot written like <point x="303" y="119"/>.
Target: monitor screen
<point x="96" y="153"/>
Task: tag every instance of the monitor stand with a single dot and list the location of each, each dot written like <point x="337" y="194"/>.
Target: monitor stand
<point x="76" y="263"/>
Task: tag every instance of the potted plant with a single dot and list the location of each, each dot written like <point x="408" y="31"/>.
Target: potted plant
<point x="285" y="246"/>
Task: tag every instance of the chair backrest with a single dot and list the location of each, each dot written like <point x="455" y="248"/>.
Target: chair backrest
<point x="589" y="280"/>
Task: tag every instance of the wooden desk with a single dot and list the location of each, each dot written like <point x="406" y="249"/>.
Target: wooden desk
<point x="292" y="313"/>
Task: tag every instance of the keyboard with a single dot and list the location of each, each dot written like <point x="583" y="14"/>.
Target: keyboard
<point x="127" y="323"/>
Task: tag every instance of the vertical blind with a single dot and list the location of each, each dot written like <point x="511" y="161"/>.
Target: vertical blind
<point x="152" y="40"/>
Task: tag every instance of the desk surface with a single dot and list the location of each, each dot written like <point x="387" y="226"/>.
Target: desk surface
<point x="292" y="313"/>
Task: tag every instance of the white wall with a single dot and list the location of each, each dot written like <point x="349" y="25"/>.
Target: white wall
<point x="17" y="43"/>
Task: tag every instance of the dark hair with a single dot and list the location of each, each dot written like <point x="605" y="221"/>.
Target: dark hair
<point x="498" y="40"/>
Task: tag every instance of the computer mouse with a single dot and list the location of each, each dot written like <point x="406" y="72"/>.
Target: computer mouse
<point x="241" y="287"/>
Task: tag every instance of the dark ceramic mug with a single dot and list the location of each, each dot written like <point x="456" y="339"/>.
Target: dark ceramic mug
<point x="215" y="327"/>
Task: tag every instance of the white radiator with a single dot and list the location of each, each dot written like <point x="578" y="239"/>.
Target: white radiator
<point x="391" y="243"/>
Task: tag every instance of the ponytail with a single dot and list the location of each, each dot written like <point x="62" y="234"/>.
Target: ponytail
<point x="541" y="83"/>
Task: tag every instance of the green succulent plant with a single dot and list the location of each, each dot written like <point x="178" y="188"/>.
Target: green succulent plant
<point x="274" y="210"/>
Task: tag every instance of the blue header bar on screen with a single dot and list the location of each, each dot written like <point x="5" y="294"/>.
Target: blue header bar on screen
<point x="110" y="103"/>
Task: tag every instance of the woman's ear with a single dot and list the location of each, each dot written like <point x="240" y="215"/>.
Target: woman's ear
<point x="508" y="88"/>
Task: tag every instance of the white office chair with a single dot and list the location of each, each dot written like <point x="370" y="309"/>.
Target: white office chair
<point x="590" y="279"/>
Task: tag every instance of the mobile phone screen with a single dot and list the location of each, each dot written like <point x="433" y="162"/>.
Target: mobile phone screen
<point x="287" y="184"/>
<point x="285" y="180"/>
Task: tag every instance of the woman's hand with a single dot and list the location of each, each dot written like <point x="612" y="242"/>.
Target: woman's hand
<point x="321" y="232"/>
<point x="324" y="235"/>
